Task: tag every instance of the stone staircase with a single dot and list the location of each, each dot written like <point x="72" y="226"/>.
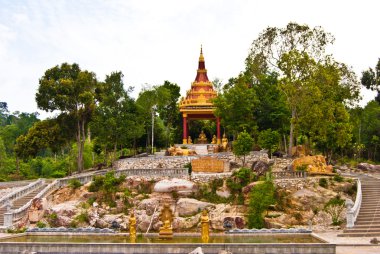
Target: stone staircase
<point x="21" y="201"/>
<point x="201" y="149"/>
<point x="368" y="220"/>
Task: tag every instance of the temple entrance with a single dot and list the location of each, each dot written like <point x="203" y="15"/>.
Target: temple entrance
<point x="198" y="127"/>
<point x="198" y="106"/>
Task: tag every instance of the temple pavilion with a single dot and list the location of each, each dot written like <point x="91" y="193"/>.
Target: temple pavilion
<point x="197" y="104"/>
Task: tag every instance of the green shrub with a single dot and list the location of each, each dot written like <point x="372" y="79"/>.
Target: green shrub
<point x="323" y="183"/>
<point x="83" y="217"/>
<point x="58" y="174"/>
<point x="40" y="224"/>
<point x="215" y="184"/>
<point x="74" y="184"/>
<point x="260" y="198"/>
<point x="335" y="207"/>
<point x="302" y="167"/>
<point x="338" y="178"/>
<point x="91" y="200"/>
<point x="53" y="219"/>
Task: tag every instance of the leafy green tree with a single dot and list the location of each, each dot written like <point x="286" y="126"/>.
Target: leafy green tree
<point x="260" y="198"/>
<point x="236" y="106"/>
<point x="287" y="51"/>
<point x="70" y="90"/>
<point x="115" y="120"/>
<point x="169" y="111"/>
<point x="243" y="145"/>
<point x="42" y="135"/>
<point x="269" y="139"/>
<point x="371" y="79"/>
<point x="148" y="102"/>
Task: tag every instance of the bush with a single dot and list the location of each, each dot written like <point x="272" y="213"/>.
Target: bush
<point x="302" y="167"/>
<point x="335" y="207"/>
<point x="53" y="220"/>
<point x="338" y="178"/>
<point x="323" y="183"/>
<point x="40" y="224"/>
<point x="74" y="184"/>
<point x="260" y="198"/>
<point x="83" y="217"/>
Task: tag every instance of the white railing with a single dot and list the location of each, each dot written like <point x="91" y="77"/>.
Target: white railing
<point x="21" y="192"/>
<point x="353" y="209"/>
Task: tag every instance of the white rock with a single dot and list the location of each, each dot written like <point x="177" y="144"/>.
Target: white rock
<point x="175" y="184"/>
<point x="190" y="206"/>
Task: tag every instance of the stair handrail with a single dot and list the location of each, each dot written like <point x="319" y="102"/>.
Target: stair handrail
<point x="20" y="192"/>
<point x="21" y="211"/>
<point x="353" y="209"/>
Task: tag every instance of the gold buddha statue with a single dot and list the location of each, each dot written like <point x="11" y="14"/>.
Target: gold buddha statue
<point x="202" y="138"/>
<point x="224" y="142"/>
<point x="166" y="216"/>
<point x="132" y="227"/>
<point x="205" y="226"/>
<point x="189" y="140"/>
<point x="213" y="139"/>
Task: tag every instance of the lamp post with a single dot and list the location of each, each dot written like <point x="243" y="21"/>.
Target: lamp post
<point x="153" y="112"/>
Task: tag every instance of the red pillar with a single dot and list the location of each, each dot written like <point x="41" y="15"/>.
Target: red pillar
<point x="218" y="139"/>
<point x="184" y="138"/>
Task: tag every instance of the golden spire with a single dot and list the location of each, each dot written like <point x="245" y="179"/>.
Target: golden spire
<point x="201" y="58"/>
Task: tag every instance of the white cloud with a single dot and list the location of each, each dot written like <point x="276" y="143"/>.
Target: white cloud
<point x="153" y="41"/>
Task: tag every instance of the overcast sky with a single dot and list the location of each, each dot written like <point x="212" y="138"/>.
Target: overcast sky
<point x="153" y="41"/>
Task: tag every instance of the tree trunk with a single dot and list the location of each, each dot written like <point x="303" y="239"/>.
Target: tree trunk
<point x="285" y="146"/>
<point x="291" y="131"/>
<point x="80" y="144"/>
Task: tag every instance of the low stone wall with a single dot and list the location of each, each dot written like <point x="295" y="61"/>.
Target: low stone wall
<point x="158" y="162"/>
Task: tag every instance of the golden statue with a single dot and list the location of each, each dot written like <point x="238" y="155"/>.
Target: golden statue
<point x="205" y="226"/>
<point x="224" y="142"/>
<point x="202" y="138"/>
<point x="213" y="140"/>
<point x="189" y="141"/>
<point x="132" y="227"/>
<point x="166" y="216"/>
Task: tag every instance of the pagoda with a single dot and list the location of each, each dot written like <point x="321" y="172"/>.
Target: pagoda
<point x="198" y="104"/>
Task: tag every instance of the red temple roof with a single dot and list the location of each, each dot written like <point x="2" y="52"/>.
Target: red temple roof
<point x="201" y="72"/>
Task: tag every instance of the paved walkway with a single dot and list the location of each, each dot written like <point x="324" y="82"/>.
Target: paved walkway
<point x="350" y="245"/>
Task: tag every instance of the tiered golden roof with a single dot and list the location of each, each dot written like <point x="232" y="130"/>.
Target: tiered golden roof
<point x="200" y="96"/>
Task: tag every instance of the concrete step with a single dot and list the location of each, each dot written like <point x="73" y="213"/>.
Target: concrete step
<point x="369" y="234"/>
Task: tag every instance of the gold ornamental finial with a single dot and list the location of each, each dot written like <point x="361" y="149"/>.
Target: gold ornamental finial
<point x="201" y="58"/>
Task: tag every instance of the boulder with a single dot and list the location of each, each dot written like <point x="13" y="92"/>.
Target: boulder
<point x="260" y="167"/>
<point x="148" y="205"/>
<point x="312" y="164"/>
<point x="175" y="184"/>
<point x="66" y="209"/>
<point x="368" y="167"/>
<point x="247" y="189"/>
<point x="223" y="192"/>
<point x="190" y="206"/>
<point x="180" y="223"/>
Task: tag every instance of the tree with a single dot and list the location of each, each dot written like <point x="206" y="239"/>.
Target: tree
<point x="147" y="103"/>
<point x="169" y="111"/>
<point x="287" y="51"/>
<point x="42" y="135"/>
<point x="236" y="106"/>
<point x="243" y="145"/>
<point x="269" y="139"/>
<point x="371" y="79"/>
<point x="115" y="121"/>
<point x="70" y="90"/>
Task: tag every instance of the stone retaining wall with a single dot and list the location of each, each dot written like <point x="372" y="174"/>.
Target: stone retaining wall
<point x="157" y="162"/>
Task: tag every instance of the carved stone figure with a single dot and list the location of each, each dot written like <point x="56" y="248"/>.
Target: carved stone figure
<point x="189" y="140"/>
